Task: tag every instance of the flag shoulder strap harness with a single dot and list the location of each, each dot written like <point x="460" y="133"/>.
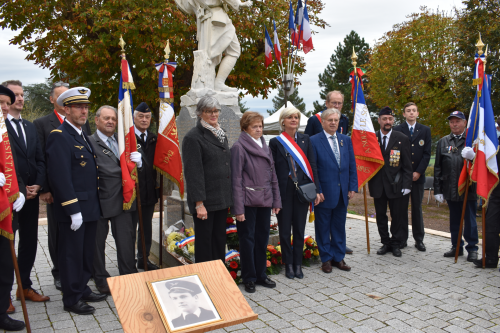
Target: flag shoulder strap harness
<point x="297" y="154"/>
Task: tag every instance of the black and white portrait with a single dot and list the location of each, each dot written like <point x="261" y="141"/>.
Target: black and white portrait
<point x="184" y="302"/>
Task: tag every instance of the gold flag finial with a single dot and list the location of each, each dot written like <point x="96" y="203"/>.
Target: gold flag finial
<point x="122" y="44"/>
<point x="354" y="58"/>
<point x="167" y="49"/>
<point x="480" y="45"/>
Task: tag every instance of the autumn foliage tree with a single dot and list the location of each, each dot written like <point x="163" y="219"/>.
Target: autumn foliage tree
<point x="78" y="41"/>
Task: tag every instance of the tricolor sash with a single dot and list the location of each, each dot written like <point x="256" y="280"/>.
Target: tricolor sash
<point x="297" y="154"/>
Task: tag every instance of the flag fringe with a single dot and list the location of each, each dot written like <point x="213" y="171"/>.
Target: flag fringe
<point x="371" y="176"/>
<point x="128" y="85"/>
<point x="369" y="159"/>
<point x="6" y="234"/>
<point x="14" y="197"/>
<point x="169" y="177"/>
<point x="5" y="213"/>
<point x="128" y="205"/>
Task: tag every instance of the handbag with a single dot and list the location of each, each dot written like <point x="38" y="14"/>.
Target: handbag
<point x="306" y="192"/>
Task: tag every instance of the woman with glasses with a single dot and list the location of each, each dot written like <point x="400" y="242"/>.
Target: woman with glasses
<point x="207" y="158"/>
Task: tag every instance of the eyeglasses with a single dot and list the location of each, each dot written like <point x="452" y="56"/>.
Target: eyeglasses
<point x="337" y="103"/>
<point x="61" y="84"/>
<point x="80" y="107"/>
<point x="211" y="112"/>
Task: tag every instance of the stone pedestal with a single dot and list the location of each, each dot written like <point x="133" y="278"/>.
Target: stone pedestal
<point x="176" y="209"/>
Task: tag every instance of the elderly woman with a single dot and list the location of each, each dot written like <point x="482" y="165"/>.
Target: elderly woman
<point x="294" y="212"/>
<point x="206" y="157"/>
<point x="255" y="192"/>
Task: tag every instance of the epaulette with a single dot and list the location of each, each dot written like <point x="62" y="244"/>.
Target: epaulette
<point x="56" y="130"/>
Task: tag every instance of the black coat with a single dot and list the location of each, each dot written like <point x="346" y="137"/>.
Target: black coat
<point x="387" y="175"/>
<point x="207" y="169"/>
<point x="147" y="174"/>
<point x="447" y="169"/>
<point x="281" y="163"/>
<point x="420" y="147"/>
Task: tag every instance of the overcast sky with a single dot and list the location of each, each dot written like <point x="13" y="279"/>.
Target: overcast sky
<point x="370" y="19"/>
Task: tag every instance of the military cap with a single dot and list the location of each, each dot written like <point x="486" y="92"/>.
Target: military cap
<point x="143" y="107"/>
<point x="181" y="286"/>
<point x="7" y="92"/>
<point x="78" y="95"/>
<point x="457" y="114"/>
<point x="386" y="111"/>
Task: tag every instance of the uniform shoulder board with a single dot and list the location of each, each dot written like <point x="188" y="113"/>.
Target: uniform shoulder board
<point x="56" y="130"/>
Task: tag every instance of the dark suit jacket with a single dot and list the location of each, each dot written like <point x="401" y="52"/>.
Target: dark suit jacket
<point x="147" y="174"/>
<point x="420" y="147"/>
<point x="314" y="126"/>
<point x="281" y="162"/>
<point x="73" y="175"/>
<point x="386" y="176"/>
<point x="204" y="315"/>
<point x="31" y="162"/>
<point x="44" y="125"/>
<point x="332" y="178"/>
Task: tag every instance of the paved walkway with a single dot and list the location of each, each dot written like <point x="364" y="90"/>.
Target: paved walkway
<point x="419" y="292"/>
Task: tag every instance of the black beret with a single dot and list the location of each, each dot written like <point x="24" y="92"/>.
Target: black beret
<point x="386" y="111"/>
<point x="181" y="286"/>
<point x="143" y="107"/>
<point x="7" y="92"/>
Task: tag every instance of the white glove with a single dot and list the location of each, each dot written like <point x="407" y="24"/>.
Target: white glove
<point x="468" y="153"/>
<point x="19" y="203"/>
<point x="76" y="221"/>
<point x="136" y="158"/>
<point x="439" y="198"/>
<point x="405" y="191"/>
<point x="2" y="179"/>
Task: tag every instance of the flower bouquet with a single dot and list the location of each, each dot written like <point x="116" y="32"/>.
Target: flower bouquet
<point x="181" y="242"/>
<point x="232" y="239"/>
<point x="273" y="260"/>
<point x="233" y="265"/>
<point x="311" y="252"/>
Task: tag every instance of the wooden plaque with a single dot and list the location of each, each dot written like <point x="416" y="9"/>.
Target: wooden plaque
<point x="138" y="312"/>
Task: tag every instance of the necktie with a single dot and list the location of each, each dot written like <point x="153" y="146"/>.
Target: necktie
<point x="384" y="141"/>
<point x="335" y="149"/>
<point x="411" y="131"/>
<point x="143" y="138"/>
<point x="111" y="146"/>
<point x="19" y="130"/>
<point x="83" y="137"/>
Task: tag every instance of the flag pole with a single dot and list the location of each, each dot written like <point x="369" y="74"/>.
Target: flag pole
<point x="483" y="215"/>
<point x="19" y="285"/>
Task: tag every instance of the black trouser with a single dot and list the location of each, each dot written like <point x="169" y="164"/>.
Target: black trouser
<point x="492" y="237"/>
<point x="6" y="275"/>
<point x="28" y="240"/>
<point x="253" y="234"/>
<point x="123" y="230"/>
<point x="76" y="260"/>
<point x="211" y="233"/>
<point x="53" y="232"/>
<point x="417" y="220"/>
<point x="399" y="219"/>
<point x="293" y="215"/>
<point x="147" y="224"/>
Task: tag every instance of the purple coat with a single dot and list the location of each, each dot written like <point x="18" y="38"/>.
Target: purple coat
<point x="253" y="175"/>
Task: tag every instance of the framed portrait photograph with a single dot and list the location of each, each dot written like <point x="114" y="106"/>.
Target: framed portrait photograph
<point x="183" y="302"/>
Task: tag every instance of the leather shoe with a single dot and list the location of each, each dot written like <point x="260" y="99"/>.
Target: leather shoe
<point x="341" y="265"/>
<point x="396" y="252"/>
<point x="32" y="295"/>
<point x="420" y="246"/>
<point x="268" y="283"/>
<point x="93" y="297"/>
<point x="451" y="253"/>
<point x="57" y="283"/>
<point x="11" y="308"/>
<point x="297" y="269"/>
<point x="289" y="271"/>
<point x="250" y="287"/>
<point x="348" y="250"/>
<point x="104" y="289"/>
<point x="479" y="263"/>
<point x="472" y="256"/>
<point x="151" y="266"/>
<point x="403" y="245"/>
<point x="9" y="324"/>
<point x="80" y="308"/>
<point x="384" y="249"/>
<point x="326" y="267"/>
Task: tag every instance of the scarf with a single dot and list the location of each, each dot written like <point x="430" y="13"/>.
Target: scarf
<point x="217" y="131"/>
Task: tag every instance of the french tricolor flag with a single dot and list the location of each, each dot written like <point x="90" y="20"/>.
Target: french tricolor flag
<point x="268" y="48"/>
<point x="294" y="35"/>
<point x="231" y="255"/>
<point x="231" y="229"/>
<point x="185" y="242"/>
<point x="299" y="16"/>
<point x="277" y="48"/>
<point x="305" y="32"/>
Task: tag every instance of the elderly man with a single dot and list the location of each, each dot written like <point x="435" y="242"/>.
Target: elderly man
<point x="392" y="184"/>
<point x="447" y="168"/>
<point x="146" y="145"/>
<point x="104" y="140"/>
<point x="338" y="182"/>
<point x="31" y="164"/>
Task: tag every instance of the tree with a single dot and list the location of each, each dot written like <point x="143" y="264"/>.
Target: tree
<point x="414" y="63"/>
<point x="279" y="101"/>
<point x="37" y="95"/>
<point x="242" y="105"/>
<point x="78" y="40"/>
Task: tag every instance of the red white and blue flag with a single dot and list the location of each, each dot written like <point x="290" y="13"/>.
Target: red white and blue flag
<point x="231" y="255"/>
<point x="185" y="242"/>
<point x="294" y="34"/>
<point x="305" y="32"/>
<point x="231" y="229"/>
<point x="299" y="17"/>
<point x="268" y="49"/>
<point x="277" y="48"/>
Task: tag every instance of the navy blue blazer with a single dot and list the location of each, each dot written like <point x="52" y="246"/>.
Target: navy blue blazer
<point x="332" y="178"/>
<point x="73" y="174"/>
<point x="314" y="126"/>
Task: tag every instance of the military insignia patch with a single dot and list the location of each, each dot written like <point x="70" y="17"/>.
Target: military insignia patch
<point x="82" y="91"/>
<point x="421" y="142"/>
<point x="79" y="147"/>
<point x="82" y="163"/>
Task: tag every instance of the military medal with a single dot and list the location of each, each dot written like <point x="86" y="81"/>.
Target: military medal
<point x="421" y="142"/>
<point x="342" y="143"/>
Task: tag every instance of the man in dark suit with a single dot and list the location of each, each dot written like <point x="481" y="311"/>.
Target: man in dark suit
<point x="420" y="140"/>
<point x="392" y="184"/>
<point x="146" y="145"/>
<point x="104" y="140"/>
<point x="338" y="182"/>
<point x="31" y="164"/>
<point x="44" y="126"/>
<point x="74" y="181"/>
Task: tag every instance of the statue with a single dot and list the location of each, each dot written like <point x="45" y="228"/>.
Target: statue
<point x="216" y="35"/>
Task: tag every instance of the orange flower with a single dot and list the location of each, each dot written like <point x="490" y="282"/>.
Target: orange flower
<point x="268" y="264"/>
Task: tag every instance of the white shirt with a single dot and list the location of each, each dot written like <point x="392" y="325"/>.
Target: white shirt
<point x="9" y="116"/>
<point x="258" y="142"/>
<point x="138" y="133"/>
<point x="104" y="138"/>
<point x="388" y="135"/>
<point x="411" y="126"/>
<point x="332" y="142"/>
<point x="78" y="130"/>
